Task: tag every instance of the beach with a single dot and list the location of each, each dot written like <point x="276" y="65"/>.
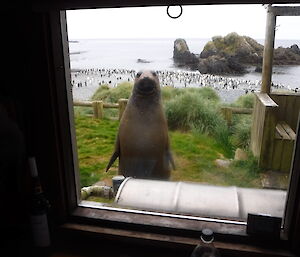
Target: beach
<point x="85" y="82"/>
<point x="96" y="62"/>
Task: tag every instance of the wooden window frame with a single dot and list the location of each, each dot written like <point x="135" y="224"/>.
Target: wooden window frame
<point x="71" y="216"/>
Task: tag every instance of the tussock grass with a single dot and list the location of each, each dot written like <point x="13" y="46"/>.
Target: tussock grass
<point x="198" y="111"/>
<point x="245" y="101"/>
<point x="241" y="132"/>
<point x="190" y="111"/>
<point x="241" y="126"/>
<point x="112" y="95"/>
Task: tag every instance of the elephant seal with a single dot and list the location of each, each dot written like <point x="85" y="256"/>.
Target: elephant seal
<point x="142" y="143"/>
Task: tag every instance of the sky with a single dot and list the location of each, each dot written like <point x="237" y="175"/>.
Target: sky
<point x="195" y="22"/>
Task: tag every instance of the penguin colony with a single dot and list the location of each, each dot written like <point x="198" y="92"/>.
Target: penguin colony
<point x="94" y="78"/>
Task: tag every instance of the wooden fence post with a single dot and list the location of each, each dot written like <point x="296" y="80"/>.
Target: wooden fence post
<point x="227" y="113"/>
<point x="122" y="105"/>
<point x="98" y="109"/>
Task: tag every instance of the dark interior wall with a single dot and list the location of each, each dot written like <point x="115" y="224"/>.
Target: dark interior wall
<point x="41" y="116"/>
<point x="14" y="86"/>
<point x="14" y="78"/>
<point x="27" y="117"/>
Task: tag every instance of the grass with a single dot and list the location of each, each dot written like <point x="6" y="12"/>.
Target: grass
<point x="198" y="133"/>
<point x="95" y="144"/>
<point x="194" y="156"/>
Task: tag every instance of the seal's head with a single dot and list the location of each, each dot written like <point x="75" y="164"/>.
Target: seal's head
<point x="146" y="83"/>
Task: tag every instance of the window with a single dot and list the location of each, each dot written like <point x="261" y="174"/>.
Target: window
<point x="115" y="213"/>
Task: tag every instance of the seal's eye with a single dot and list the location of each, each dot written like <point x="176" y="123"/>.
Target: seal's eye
<point x="154" y="73"/>
<point x="138" y="74"/>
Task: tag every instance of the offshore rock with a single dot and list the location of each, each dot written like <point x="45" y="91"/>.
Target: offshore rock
<point x="247" y="51"/>
<point x="258" y="68"/>
<point x="286" y="56"/>
<point x="295" y="49"/>
<point x="244" y="50"/>
<point x="182" y="56"/>
<point x="220" y="65"/>
<point x="231" y="55"/>
<point x="142" y="61"/>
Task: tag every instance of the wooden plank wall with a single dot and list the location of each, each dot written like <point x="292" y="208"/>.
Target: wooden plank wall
<point x="288" y="108"/>
<point x="288" y="111"/>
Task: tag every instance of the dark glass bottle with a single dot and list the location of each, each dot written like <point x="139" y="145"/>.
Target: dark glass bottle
<point x="38" y="210"/>
<point x="206" y="247"/>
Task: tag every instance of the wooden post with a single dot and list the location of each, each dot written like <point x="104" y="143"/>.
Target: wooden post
<point x="122" y="105"/>
<point x="227" y="113"/>
<point x="268" y="52"/>
<point x="263" y="129"/>
<point x="98" y="109"/>
<point x="268" y="135"/>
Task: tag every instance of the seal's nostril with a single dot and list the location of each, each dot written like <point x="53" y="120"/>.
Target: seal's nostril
<point x="146" y="85"/>
<point x="154" y="73"/>
<point x="138" y="74"/>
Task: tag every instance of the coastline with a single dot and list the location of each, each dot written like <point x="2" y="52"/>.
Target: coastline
<point x="109" y="54"/>
<point x="86" y="81"/>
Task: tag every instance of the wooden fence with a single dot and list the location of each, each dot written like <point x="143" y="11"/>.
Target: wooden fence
<point x="98" y="107"/>
<point x="275" y="119"/>
<point x="228" y="111"/>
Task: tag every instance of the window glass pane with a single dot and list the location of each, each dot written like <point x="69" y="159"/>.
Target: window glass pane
<point x="196" y="137"/>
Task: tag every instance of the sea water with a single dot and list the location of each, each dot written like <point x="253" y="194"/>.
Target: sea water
<point x="157" y="55"/>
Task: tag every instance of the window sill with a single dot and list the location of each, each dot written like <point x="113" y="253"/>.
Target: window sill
<point x="173" y="241"/>
<point x="150" y="222"/>
<point x="177" y="232"/>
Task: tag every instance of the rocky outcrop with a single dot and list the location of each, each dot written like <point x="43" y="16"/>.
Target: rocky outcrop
<point x="244" y="49"/>
<point x="295" y="49"/>
<point x="220" y="65"/>
<point x="182" y="56"/>
<point x="231" y="55"/>
<point x="287" y="56"/>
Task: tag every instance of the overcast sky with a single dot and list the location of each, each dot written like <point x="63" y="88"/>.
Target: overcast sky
<point x="195" y="22"/>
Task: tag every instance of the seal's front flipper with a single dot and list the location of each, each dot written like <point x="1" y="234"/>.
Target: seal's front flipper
<point x="115" y="155"/>
<point x="169" y="156"/>
<point x="171" y="159"/>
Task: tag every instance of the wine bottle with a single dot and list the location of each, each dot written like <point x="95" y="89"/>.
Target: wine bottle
<point x="206" y="246"/>
<point x="38" y="209"/>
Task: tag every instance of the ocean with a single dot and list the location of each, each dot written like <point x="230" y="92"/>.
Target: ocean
<point x="124" y="53"/>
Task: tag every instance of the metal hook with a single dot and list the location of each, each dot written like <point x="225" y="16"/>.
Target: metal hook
<point x="174" y="17"/>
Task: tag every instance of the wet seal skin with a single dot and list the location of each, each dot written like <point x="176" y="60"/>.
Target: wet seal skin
<point x="142" y="143"/>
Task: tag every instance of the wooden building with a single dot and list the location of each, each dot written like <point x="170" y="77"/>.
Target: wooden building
<point x="275" y="115"/>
